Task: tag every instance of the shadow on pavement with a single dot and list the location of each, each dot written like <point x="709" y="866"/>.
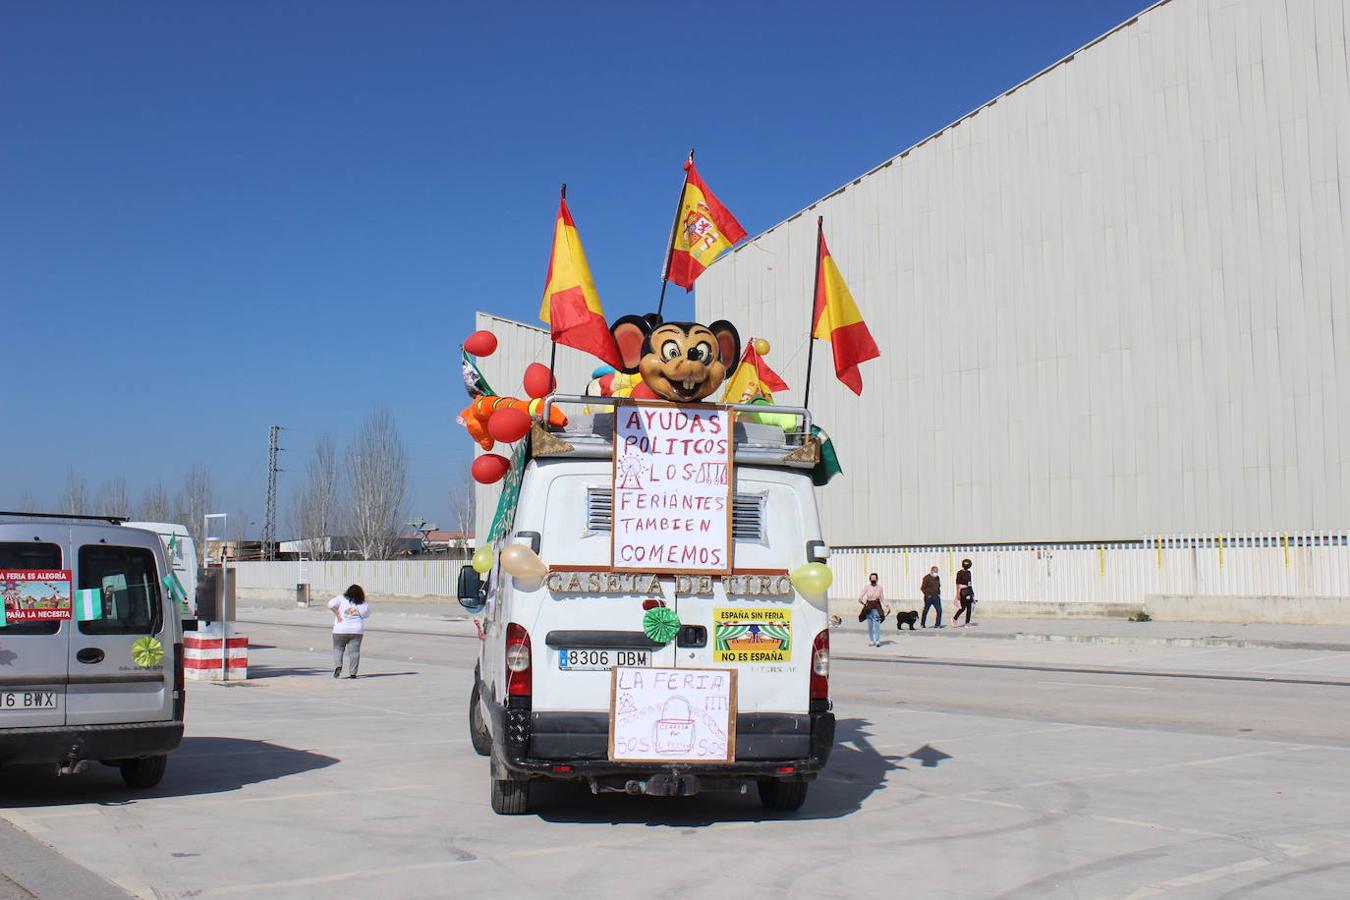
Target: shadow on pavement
<point x="856" y="769"/>
<point x="202" y="765"/>
<point x="256" y="671"/>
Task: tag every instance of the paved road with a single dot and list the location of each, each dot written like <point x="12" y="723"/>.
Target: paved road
<point x="973" y="777"/>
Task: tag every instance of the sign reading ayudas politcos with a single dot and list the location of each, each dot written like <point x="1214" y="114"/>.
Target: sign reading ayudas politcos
<point x="34" y="595"/>
<point x="672" y="488"/>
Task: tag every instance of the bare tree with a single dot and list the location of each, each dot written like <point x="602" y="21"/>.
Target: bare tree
<point x="462" y="509"/>
<point x="192" y="505"/>
<point x="377" y="472"/>
<point x="316" y="514"/>
<point x="28" y="503"/>
<point x="112" y="499"/>
<point x="154" y="504"/>
<point x="75" y="500"/>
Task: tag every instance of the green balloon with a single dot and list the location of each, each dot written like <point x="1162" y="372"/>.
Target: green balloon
<point x="661" y="624"/>
<point x="482" y="560"/>
<point x="812" y="579"/>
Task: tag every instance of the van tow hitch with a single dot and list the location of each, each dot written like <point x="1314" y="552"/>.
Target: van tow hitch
<point x="72" y="764"/>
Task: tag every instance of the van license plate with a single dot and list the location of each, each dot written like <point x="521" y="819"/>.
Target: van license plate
<point x="26" y="701"/>
<point x="601" y="660"/>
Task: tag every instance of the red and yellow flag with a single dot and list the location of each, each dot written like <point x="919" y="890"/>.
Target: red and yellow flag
<point x="703" y="230"/>
<point x="752" y="378"/>
<point x="838" y="321"/>
<point x="571" y="306"/>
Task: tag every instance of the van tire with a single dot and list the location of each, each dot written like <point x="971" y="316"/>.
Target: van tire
<point x="479" y="736"/>
<point x="510" y="798"/>
<point x="782" y="796"/>
<point x="145" y="772"/>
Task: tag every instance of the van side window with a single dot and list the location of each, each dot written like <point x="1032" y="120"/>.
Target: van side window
<point x="130" y="586"/>
<point x="29" y="555"/>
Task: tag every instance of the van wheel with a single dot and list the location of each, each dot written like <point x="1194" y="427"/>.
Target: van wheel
<point x="478" y="733"/>
<point x="145" y="772"/>
<point x="510" y="798"/>
<point x="782" y="796"/>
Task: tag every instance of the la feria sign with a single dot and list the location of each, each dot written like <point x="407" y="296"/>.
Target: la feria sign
<point x="673" y="483"/>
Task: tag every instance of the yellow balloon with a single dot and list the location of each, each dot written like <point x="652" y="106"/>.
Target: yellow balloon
<point x="761" y="346"/>
<point x="813" y="579"/>
<point x="482" y="560"/>
<point x="522" y="562"/>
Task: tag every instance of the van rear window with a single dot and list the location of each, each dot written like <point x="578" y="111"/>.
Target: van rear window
<point x="30" y="555"/>
<point x="130" y="585"/>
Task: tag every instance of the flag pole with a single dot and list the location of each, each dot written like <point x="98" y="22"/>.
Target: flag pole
<point x="553" y="352"/>
<point x="811" y="321"/>
<point x="670" y="244"/>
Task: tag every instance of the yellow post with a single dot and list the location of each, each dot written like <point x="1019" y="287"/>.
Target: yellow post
<point x="1284" y="541"/>
<point x="1158" y="541"/>
<point x="906" y="563"/>
<point x="1220" y="551"/>
<point x="1101" y="560"/>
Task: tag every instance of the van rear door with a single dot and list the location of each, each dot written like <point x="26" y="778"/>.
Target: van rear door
<point x="33" y="654"/>
<point x="120" y="664"/>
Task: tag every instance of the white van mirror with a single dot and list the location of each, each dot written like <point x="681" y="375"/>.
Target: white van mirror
<point x="471" y="593"/>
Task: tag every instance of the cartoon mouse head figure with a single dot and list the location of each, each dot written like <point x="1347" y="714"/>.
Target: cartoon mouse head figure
<point x="679" y="361"/>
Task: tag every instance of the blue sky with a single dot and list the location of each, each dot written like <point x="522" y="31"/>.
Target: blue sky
<point x="216" y="216"/>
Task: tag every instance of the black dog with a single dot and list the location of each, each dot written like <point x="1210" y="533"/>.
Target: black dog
<point x="903" y="618"/>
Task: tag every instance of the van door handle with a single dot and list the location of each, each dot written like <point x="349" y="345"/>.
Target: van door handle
<point x="90" y="655"/>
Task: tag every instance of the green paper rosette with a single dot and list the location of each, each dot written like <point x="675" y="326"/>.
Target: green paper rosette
<point x="661" y="624"/>
<point x="147" y="652"/>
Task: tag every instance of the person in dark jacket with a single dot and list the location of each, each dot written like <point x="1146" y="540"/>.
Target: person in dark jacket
<point x="932" y="597"/>
<point x="965" y="594"/>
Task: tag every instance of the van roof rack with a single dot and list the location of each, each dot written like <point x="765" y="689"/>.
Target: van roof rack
<point x="115" y="520"/>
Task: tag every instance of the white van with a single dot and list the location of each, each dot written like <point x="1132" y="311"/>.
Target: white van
<point x="181" y="552"/>
<point x="91" y="647"/>
<point x="545" y="692"/>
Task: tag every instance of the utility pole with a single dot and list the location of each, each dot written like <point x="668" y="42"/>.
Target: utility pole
<point x="270" y="524"/>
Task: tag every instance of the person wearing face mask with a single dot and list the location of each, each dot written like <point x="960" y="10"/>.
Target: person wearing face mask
<point x="931" y="589"/>
<point x="874" y="610"/>
<point x="965" y="594"/>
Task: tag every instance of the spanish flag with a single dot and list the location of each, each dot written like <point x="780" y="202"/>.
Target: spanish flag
<point x="703" y="229"/>
<point x="571" y="306"/>
<point x="838" y="321"/>
<point x="752" y="378"/>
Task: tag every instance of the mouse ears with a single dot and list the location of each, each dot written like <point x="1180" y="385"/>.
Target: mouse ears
<point x="728" y="343"/>
<point x="630" y="335"/>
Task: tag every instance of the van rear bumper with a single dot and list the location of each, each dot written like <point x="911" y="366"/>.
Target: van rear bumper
<point x="766" y="745"/>
<point x="95" y="742"/>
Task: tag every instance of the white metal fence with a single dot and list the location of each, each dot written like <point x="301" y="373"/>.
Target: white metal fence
<point x="399" y="578"/>
<point x="1275" y="565"/>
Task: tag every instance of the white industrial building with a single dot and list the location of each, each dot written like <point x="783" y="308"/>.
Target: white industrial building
<point x="1113" y="307"/>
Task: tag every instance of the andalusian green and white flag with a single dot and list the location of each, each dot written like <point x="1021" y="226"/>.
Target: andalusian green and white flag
<point x="88" y="605"/>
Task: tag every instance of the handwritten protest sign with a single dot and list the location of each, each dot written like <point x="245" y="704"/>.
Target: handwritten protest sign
<point x="672" y="489"/>
<point x="672" y="715"/>
<point x="35" y="595"/>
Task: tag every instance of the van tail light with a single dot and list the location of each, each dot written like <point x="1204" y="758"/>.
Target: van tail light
<point x="519" y="681"/>
<point x="820" y="667"/>
<point x="179" y="683"/>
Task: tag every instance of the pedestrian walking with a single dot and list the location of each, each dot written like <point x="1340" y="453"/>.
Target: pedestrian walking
<point x="350" y="611"/>
<point x="931" y="587"/>
<point x="874" y="610"/>
<point x="965" y="594"/>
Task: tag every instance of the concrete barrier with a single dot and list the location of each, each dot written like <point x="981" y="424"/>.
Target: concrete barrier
<point x="1240" y="608"/>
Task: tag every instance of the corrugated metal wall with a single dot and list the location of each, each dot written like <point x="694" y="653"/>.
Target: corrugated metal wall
<point x="1112" y="302"/>
<point x="518" y="345"/>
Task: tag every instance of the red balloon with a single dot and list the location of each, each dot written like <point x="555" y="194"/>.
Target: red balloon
<point x="509" y="424"/>
<point x="481" y="343"/>
<point x="539" y="381"/>
<point x="489" y="468"/>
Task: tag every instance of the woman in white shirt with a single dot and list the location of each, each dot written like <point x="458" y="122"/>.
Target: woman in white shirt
<point x="350" y="611"/>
